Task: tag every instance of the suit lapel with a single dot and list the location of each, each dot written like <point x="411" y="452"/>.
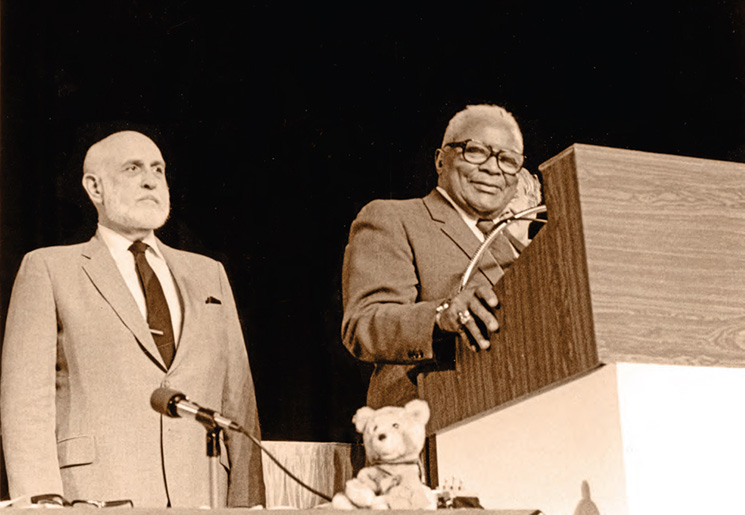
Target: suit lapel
<point x="104" y="274"/>
<point x="456" y="229"/>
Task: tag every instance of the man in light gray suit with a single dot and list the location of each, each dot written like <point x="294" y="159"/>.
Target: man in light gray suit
<point x="93" y="329"/>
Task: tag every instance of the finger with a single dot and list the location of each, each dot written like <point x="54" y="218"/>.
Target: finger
<point x="472" y="345"/>
<point x="450" y="319"/>
<point x="484" y="314"/>
<point x="488" y="295"/>
<point x="470" y="325"/>
<point x="452" y="315"/>
<point x="475" y="332"/>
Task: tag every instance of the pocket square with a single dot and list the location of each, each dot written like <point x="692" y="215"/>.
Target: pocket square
<point x="212" y="300"/>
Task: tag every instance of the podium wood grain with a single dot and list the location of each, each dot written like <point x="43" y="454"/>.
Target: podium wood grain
<point x="642" y="260"/>
<point x="665" y="239"/>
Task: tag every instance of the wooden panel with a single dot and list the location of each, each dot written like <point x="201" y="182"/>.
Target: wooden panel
<point x="643" y="260"/>
<point x="546" y="323"/>
<point x="665" y="242"/>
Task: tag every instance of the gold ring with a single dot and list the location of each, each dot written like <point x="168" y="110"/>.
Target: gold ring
<point x="464" y="317"/>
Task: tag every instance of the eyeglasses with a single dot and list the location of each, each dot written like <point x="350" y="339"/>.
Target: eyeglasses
<point x="478" y="153"/>
<point x="61" y="501"/>
<point x="103" y="504"/>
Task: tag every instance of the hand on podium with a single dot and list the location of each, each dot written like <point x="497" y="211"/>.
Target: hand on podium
<point x="471" y="313"/>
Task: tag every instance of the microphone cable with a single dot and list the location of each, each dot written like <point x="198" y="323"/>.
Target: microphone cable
<point x="282" y="467"/>
<point x="168" y="402"/>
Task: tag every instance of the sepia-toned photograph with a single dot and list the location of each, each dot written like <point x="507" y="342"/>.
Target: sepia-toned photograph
<point x="281" y="256"/>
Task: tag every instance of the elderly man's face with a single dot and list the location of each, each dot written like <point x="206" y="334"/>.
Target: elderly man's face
<point x="134" y="194"/>
<point x="481" y="190"/>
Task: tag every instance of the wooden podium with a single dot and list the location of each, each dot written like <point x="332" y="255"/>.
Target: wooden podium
<point x="640" y="268"/>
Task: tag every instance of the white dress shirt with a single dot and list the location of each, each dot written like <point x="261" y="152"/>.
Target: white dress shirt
<point x="468" y="219"/>
<point x="471" y="222"/>
<point x="118" y="246"/>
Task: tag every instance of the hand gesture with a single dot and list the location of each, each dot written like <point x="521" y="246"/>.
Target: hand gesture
<point x="471" y="313"/>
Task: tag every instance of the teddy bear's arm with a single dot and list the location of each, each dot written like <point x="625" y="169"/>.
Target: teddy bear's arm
<point x="385" y="483"/>
<point x="371" y="477"/>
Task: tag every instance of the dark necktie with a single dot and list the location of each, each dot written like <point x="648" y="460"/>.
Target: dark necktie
<point x="503" y="244"/>
<point x="158" y="315"/>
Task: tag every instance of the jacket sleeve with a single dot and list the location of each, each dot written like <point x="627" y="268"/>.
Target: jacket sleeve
<point x="27" y="383"/>
<point x="384" y="318"/>
<point x="246" y="484"/>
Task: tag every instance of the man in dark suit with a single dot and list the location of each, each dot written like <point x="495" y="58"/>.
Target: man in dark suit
<point x="405" y="258"/>
<point x="93" y="329"/>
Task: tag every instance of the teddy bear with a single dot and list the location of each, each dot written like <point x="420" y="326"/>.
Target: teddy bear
<point x="393" y="439"/>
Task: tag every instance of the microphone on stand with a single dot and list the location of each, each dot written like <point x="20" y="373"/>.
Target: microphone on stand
<point x="175" y="404"/>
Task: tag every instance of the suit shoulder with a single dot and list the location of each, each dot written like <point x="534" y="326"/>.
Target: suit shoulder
<point x="387" y="207"/>
<point x="194" y="259"/>
<point x="56" y="251"/>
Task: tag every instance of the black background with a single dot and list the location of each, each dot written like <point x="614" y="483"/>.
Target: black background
<point x="279" y="122"/>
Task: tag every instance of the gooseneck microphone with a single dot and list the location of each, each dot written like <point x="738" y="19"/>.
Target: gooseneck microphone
<point x="173" y="403"/>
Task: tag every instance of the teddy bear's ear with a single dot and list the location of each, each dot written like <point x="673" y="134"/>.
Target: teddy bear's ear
<point x="418" y="410"/>
<point x="361" y="417"/>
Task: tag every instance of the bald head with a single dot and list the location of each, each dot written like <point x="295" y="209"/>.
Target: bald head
<point x="124" y="176"/>
<point x="101" y="154"/>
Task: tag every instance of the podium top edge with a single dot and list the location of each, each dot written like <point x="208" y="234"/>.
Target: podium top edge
<point x="581" y="148"/>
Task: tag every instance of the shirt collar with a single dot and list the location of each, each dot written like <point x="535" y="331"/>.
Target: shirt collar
<point x="470" y="220"/>
<point x="118" y="244"/>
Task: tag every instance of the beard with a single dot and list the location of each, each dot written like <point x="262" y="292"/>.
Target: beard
<point x="142" y="215"/>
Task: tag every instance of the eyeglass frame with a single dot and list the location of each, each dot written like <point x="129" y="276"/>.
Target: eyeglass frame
<point x="59" y="500"/>
<point x="463" y="144"/>
<point x="103" y="504"/>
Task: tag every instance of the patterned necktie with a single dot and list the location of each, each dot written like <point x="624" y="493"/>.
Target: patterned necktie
<point x="504" y="247"/>
<point x="158" y="315"/>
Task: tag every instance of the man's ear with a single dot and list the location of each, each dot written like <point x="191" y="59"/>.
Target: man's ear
<point x="93" y="187"/>
<point x="438" y="160"/>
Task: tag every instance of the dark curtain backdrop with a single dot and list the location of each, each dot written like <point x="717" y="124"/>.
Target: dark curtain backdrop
<point x="280" y="121"/>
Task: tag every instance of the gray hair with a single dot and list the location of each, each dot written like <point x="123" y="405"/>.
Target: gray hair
<point x="474" y="114"/>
